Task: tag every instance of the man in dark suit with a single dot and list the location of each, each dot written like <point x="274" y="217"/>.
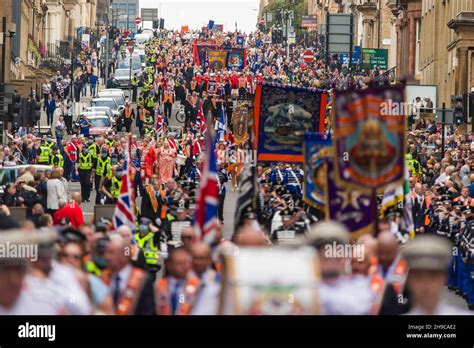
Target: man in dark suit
<point x="126" y="281"/>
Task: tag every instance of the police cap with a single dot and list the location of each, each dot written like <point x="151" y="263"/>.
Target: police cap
<point x="428" y="252"/>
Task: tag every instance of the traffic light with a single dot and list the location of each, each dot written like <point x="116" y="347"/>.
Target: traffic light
<point x="37" y="111"/>
<point x="277" y="36"/>
<point x="156" y="24"/>
<point x="459" y="112"/>
<point x="162" y="23"/>
<point x="14" y="114"/>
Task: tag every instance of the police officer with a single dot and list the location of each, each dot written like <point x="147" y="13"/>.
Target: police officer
<point x="93" y="150"/>
<point x="428" y="258"/>
<point x="44" y="154"/>
<point x="148" y="125"/>
<point x="111" y="186"/>
<point x="57" y="160"/>
<point x="103" y="169"/>
<point x="150" y="103"/>
<point x="134" y="83"/>
<point x="84" y="168"/>
<point x="110" y="140"/>
<point x="150" y="240"/>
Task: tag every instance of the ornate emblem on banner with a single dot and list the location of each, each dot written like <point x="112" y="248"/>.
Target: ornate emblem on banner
<point x="369" y="141"/>
<point x="316" y="151"/>
<point x="240" y="122"/>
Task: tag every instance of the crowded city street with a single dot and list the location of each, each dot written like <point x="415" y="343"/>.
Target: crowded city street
<point x="305" y="161"/>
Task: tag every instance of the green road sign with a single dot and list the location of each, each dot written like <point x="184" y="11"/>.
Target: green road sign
<point x="373" y="56"/>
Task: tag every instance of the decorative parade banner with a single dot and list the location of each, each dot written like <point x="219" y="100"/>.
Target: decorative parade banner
<point x="369" y="143"/>
<point x="316" y="150"/>
<point x="282" y="115"/>
<point x="217" y="59"/>
<point x="236" y="58"/>
<point x="270" y="281"/>
<point x="240" y="122"/>
<point x="351" y="207"/>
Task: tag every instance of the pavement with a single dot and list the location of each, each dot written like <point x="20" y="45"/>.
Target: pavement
<point x="88" y="207"/>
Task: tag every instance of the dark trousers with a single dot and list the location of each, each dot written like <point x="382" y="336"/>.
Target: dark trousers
<point x="128" y="124"/>
<point x="168" y="108"/>
<point x="97" y="184"/>
<point x="134" y="94"/>
<point x="220" y="209"/>
<point x="49" y="118"/>
<point x="85" y="180"/>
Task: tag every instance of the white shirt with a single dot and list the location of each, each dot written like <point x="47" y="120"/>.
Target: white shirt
<point x="346" y="297"/>
<point x="124" y="275"/>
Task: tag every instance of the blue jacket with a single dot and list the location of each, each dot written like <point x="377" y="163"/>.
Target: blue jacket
<point x="50" y="106"/>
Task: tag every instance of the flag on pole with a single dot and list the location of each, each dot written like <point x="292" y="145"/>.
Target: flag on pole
<point x="205" y="216"/>
<point x="248" y="194"/>
<point x="406" y="223"/>
<point x="222" y="127"/>
<point x="172" y="143"/>
<point x="125" y="208"/>
<point x="159" y="124"/>
<point x="201" y="120"/>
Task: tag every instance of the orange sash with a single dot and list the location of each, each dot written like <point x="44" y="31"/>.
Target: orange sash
<point x="377" y="285"/>
<point x="186" y="303"/>
<point x="128" y="301"/>
<point x="153" y="200"/>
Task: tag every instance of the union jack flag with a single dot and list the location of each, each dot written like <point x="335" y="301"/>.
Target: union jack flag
<point x="205" y="216"/>
<point x="125" y="207"/>
<point x="201" y="121"/>
<point x="159" y="124"/>
<point x="173" y="144"/>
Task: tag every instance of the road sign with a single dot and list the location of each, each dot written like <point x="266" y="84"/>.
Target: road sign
<point x="308" y="56"/>
<point x="262" y="21"/>
<point x="138" y="20"/>
<point x="372" y="57"/>
<point x="131" y="47"/>
<point x="149" y="14"/>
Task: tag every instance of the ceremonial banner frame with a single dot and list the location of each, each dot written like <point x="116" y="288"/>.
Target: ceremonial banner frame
<point x="253" y="287"/>
<point x="303" y="100"/>
<point x="369" y="146"/>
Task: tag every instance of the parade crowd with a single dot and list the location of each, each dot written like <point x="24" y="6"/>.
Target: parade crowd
<point x="166" y="269"/>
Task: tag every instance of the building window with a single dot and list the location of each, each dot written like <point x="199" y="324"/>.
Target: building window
<point x="418" y="46"/>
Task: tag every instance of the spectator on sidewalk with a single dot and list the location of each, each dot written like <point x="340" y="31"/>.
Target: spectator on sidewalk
<point x="50" y="107"/>
<point x="93" y="83"/>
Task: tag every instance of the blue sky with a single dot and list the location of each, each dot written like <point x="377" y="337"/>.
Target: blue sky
<point x="197" y="13"/>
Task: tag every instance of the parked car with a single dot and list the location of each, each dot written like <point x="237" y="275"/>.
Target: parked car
<point x="121" y="78"/>
<point x="101" y="125"/>
<point x="10" y="174"/>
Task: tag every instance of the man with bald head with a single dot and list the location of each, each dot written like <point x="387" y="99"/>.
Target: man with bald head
<point x="390" y="265"/>
<point x="127" y="282"/>
<point x="73" y="211"/>
<point x="202" y="263"/>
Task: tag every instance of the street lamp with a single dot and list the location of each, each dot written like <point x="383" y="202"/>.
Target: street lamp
<point x="11" y="33"/>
